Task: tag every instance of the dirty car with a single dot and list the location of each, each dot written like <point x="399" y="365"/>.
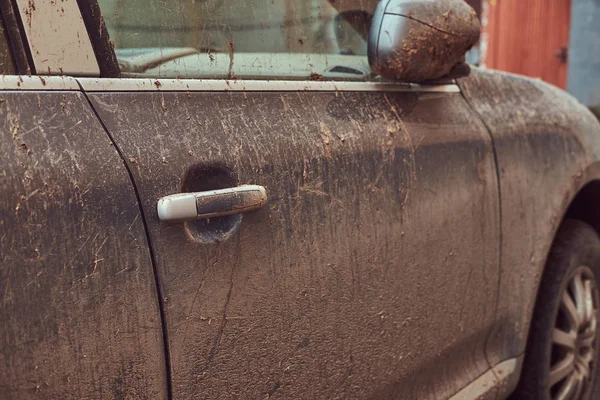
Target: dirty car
<point x="283" y="199"/>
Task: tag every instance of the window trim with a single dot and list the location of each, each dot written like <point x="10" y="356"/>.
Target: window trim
<point x="58" y="40"/>
<point x="49" y="83"/>
<point x="224" y="85"/>
<point x="18" y="43"/>
<point x="99" y="38"/>
<point x="38" y="83"/>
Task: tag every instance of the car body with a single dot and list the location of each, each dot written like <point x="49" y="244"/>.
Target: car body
<point x="399" y="254"/>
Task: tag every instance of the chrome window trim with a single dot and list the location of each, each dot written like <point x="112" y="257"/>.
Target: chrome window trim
<point x="221" y="85"/>
<point x="57" y="38"/>
<point x="25" y="82"/>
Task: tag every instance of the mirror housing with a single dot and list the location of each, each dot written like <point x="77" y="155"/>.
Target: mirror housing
<point x="421" y="40"/>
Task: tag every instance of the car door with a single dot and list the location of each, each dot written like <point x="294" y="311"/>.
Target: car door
<point x="372" y="272"/>
<point x="79" y="311"/>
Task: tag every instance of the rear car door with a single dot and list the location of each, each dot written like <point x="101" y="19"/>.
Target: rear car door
<point x="79" y="312"/>
<point x="372" y="272"/>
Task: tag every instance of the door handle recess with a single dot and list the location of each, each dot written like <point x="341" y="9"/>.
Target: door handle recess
<point x="211" y="204"/>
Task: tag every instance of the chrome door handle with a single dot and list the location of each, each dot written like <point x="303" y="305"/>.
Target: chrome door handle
<point x="210" y="204"/>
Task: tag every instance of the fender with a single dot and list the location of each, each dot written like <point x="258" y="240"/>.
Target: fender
<point x="547" y="148"/>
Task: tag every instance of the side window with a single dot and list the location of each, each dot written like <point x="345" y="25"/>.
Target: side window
<point x="228" y="39"/>
<point x="7" y="63"/>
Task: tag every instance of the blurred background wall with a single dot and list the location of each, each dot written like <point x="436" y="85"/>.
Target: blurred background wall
<point x="584" y="57"/>
<point x="554" y="40"/>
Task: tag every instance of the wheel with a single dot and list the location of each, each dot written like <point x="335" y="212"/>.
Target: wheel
<point x="561" y="361"/>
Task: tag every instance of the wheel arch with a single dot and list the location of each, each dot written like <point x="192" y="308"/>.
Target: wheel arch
<point x="581" y="204"/>
<point x="585" y="206"/>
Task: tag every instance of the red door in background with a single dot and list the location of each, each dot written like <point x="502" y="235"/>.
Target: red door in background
<point x="529" y="37"/>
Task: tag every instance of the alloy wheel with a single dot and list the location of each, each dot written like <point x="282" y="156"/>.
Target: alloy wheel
<point x="575" y="338"/>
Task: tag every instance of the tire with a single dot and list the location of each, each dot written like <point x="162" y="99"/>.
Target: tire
<point x="573" y="270"/>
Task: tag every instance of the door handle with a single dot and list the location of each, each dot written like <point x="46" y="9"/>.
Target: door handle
<point x="211" y="204"/>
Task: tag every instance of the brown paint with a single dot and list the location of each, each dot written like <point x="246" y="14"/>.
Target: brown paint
<point x="79" y="315"/>
<point x="372" y="271"/>
<point x="548" y="148"/>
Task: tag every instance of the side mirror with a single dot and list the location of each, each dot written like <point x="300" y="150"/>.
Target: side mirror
<point x="420" y="40"/>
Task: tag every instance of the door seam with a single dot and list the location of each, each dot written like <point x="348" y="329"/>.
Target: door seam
<point x="500" y="223"/>
<point x="157" y="282"/>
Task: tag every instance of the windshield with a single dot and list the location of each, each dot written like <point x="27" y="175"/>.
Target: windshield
<point x="267" y="39"/>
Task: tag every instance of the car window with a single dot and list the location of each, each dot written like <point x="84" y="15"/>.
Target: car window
<point x="252" y="39"/>
<point x="7" y="63"/>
